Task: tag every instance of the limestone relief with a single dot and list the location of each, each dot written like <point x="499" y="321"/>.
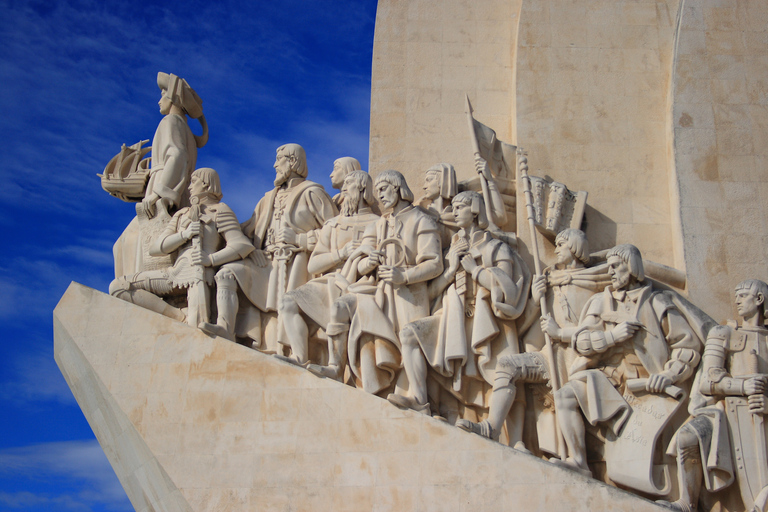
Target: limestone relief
<point x="593" y="361"/>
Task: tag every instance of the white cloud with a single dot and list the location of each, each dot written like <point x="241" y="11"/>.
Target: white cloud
<point x="78" y="469"/>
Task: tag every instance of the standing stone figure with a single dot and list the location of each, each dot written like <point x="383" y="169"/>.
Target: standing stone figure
<point x="174" y="146"/>
<point x="407" y="254"/>
<point x="341" y="169"/>
<point x="284" y="229"/>
<point x="203" y="237"/>
<point x="629" y="333"/>
<point x="338" y="241"/>
<point x="567" y="287"/>
<point x="483" y="289"/>
<point x="727" y="434"/>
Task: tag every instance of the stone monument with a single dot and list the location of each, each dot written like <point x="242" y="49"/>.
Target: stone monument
<point x="565" y="320"/>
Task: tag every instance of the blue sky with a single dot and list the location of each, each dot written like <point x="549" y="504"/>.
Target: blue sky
<point x="77" y="79"/>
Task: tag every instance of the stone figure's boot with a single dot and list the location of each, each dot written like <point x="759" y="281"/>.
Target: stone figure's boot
<point x="689" y="471"/>
<point x="502" y="398"/>
<point x="296" y="332"/>
<point x="416" y="372"/>
<point x="227" y="304"/>
<point x="337" y="353"/>
<point x="122" y="289"/>
<point x="407" y="402"/>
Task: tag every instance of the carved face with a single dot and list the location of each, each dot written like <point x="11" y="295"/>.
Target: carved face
<point x="337" y="175"/>
<point x="196" y="187"/>
<point x="619" y="272"/>
<point x="387" y="194"/>
<point x="747" y="303"/>
<point x="351" y="195"/>
<point x="563" y="253"/>
<point x="463" y="215"/>
<point x="431" y="185"/>
<point x="165" y="104"/>
<point x="283" y="168"/>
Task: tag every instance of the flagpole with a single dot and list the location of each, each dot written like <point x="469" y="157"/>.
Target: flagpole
<point x="492" y="227"/>
<point x="550" y="350"/>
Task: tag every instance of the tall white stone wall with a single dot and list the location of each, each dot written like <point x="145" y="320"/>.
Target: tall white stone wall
<point x="656" y="108"/>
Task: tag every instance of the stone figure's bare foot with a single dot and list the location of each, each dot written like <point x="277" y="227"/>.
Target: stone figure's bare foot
<point x="679" y="505"/>
<point x="330" y="372"/>
<point x="406" y="402"/>
<point x="215" y="330"/>
<point x="291" y="360"/>
<point x="482" y="429"/>
<point x="571" y="464"/>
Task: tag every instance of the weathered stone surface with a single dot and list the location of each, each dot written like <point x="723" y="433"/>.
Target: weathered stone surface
<point x="191" y="422"/>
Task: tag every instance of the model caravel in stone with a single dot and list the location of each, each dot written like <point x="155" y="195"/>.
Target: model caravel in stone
<point x="430" y="307"/>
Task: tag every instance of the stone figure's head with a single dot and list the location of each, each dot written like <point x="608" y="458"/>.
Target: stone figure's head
<point x="290" y="161"/>
<point x="750" y="298"/>
<point x="390" y="188"/>
<point x="569" y="244"/>
<point x="176" y="91"/>
<point x="341" y="168"/>
<point x="205" y="181"/>
<point x="625" y="266"/>
<point x="469" y="207"/>
<point x="357" y="187"/>
<point x="440" y="181"/>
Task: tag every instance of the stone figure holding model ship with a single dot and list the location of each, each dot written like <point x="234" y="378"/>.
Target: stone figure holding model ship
<point x="203" y="237"/>
<point x="726" y="437"/>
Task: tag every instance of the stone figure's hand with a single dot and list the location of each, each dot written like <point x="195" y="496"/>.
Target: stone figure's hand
<point x="549" y="326"/>
<point x="286" y="235"/>
<point x="754" y="385"/>
<point x="349" y="248"/>
<point x="394" y="275"/>
<point x="468" y="262"/>
<point x="481" y="166"/>
<point x="198" y="257"/>
<point x="454" y="257"/>
<point x="192" y="230"/>
<point x="373" y="260"/>
<point x="624" y="331"/>
<point x="260" y="257"/>
<point x="657" y="383"/>
<point x="538" y="288"/>
<point x="757" y="404"/>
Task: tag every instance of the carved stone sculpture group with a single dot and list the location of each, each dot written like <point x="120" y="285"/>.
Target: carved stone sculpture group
<point x="428" y="304"/>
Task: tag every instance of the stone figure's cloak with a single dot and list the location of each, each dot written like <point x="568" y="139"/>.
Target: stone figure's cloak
<point x="173" y="139"/>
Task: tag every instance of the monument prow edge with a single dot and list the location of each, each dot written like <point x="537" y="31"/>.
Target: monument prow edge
<point x="191" y="422"/>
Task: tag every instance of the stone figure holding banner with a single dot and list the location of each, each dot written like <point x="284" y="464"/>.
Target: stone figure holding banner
<point x="407" y="254"/>
<point x="203" y="237"/>
<point x="635" y="344"/>
<point x="567" y="286"/>
<point x="482" y="290"/>
<point x="336" y="255"/>
<point x="726" y="436"/>
<point x="284" y="229"/>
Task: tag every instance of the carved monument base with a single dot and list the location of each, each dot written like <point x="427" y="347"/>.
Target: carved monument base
<point x="190" y="422"/>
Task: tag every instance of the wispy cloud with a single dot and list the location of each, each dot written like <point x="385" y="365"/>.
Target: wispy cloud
<point x="78" y="468"/>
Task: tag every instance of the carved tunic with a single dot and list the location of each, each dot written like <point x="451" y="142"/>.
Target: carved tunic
<point x="315" y="297"/>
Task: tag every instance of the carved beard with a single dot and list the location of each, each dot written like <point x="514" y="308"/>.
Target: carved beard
<point x="281" y="178"/>
<point x="351" y="202"/>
